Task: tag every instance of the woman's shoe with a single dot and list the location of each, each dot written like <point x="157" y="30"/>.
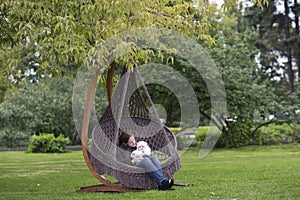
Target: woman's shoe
<point x="171" y="182"/>
<point x="166" y="184"/>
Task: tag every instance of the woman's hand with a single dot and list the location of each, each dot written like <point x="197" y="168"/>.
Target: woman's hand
<point x="136" y="159"/>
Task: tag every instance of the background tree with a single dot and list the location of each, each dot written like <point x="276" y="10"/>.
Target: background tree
<point x="249" y="99"/>
<point x="278" y="26"/>
<point x="37" y="108"/>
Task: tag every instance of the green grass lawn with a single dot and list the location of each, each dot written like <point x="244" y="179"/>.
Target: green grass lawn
<point x="245" y="173"/>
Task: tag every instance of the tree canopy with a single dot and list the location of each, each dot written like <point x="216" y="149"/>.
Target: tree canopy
<point x="50" y="37"/>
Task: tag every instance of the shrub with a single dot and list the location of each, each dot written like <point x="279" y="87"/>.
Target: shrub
<point x="239" y="135"/>
<point x="202" y="131"/>
<point x="12" y="138"/>
<point x="47" y="143"/>
<point x="278" y="134"/>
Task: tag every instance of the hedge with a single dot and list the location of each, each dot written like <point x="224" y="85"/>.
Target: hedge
<point x="47" y="143"/>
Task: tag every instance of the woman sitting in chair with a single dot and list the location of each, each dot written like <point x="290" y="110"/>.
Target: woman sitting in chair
<point x="127" y="145"/>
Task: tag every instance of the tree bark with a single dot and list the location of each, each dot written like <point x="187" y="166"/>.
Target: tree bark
<point x="289" y="66"/>
<point x="109" y="81"/>
<point x="297" y="35"/>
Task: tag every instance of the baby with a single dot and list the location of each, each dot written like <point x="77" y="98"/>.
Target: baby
<point x="142" y="150"/>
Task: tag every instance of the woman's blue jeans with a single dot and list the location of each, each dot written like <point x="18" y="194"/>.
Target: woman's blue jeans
<point x="152" y="165"/>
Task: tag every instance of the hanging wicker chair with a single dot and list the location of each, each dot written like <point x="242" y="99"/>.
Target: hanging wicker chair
<point x="127" y="112"/>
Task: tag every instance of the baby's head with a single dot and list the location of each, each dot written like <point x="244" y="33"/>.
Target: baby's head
<point x="141" y="145"/>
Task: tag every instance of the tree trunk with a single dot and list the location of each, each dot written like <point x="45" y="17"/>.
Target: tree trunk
<point x="297" y="35"/>
<point x="76" y="140"/>
<point x="289" y="67"/>
<point x="109" y="81"/>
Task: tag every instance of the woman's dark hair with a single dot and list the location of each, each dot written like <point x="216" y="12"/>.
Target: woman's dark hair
<point x="124" y="137"/>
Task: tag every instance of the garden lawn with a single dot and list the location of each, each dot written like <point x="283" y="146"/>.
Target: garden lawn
<point x="255" y="172"/>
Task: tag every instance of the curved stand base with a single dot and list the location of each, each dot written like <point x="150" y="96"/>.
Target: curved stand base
<point x="106" y="188"/>
<point x="116" y="187"/>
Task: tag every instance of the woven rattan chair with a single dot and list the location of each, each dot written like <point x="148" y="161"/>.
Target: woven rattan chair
<point x="127" y="112"/>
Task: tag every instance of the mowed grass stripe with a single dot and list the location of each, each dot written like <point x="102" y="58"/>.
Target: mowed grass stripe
<point x="246" y="173"/>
